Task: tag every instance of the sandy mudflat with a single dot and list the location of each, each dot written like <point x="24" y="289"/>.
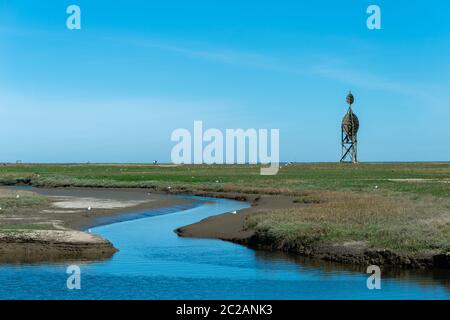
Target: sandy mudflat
<point x="102" y="203"/>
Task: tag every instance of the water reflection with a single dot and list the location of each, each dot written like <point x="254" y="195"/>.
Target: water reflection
<point x="426" y="278"/>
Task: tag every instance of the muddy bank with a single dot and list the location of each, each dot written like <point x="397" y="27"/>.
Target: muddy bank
<point x="53" y="246"/>
<point x="230" y="227"/>
<point x="356" y="253"/>
<point x="52" y="229"/>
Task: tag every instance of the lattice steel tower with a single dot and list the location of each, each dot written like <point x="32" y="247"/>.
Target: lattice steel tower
<point x="349" y="133"/>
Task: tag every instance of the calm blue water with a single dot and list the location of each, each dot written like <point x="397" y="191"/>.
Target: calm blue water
<point x="154" y="263"/>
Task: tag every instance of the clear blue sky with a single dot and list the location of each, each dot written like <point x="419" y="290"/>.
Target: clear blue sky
<point x="114" y="90"/>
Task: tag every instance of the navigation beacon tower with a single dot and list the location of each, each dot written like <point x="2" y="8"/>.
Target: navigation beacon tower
<point x="349" y="133"/>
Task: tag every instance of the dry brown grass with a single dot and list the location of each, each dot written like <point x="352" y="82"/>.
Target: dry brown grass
<point x="20" y="202"/>
<point x="399" y="223"/>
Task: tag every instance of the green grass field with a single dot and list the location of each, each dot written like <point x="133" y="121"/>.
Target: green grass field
<point x="429" y="178"/>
